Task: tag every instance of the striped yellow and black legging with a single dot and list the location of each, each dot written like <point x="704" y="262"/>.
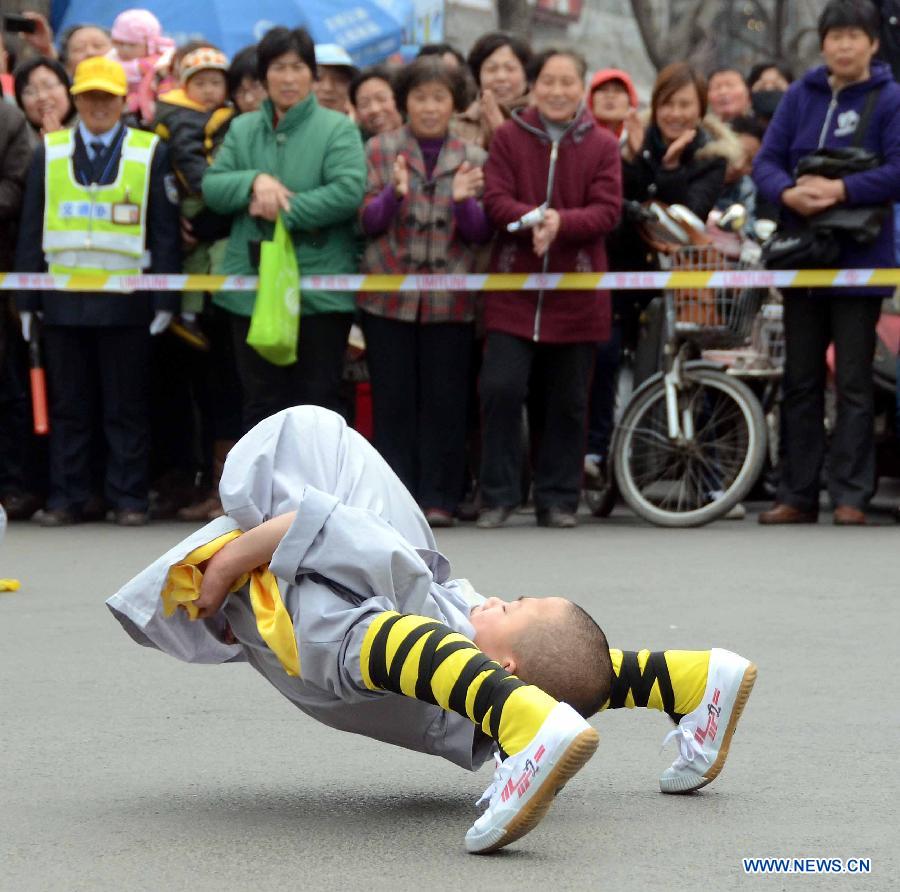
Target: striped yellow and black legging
<point x="672" y="681"/>
<point x="424" y="659"/>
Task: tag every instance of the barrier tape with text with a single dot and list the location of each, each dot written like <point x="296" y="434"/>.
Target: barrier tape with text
<point x="619" y="281"/>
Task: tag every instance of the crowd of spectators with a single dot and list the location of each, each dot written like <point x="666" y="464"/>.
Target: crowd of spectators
<point x="422" y="167"/>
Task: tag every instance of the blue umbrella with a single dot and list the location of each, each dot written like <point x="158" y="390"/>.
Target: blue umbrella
<point x="362" y="27"/>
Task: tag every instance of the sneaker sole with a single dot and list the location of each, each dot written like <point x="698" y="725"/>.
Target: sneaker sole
<point x="689" y="784"/>
<point x="578" y="752"/>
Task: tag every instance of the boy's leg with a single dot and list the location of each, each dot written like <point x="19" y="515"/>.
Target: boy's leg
<point x="703" y="691"/>
<point x="308" y="445"/>
<point x="547" y="742"/>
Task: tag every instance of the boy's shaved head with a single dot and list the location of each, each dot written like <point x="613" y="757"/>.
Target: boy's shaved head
<point x="551" y="643"/>
<point x="568" y="659"/>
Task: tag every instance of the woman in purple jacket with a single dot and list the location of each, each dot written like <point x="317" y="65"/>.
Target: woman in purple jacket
<point x="824" y="110"/>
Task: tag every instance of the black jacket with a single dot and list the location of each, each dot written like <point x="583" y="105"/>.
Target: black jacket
<point x="15" y="154"/>
<point x="889" y="50"/>
<point x="696" y="183"/>
<point x="101" y="308"/>
<point x="193" y="136"/>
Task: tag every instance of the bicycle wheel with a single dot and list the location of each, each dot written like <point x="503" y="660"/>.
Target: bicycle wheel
<point x="697" y="480"/>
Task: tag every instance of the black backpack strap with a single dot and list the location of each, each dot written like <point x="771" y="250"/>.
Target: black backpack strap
<point x="863" y="125"/>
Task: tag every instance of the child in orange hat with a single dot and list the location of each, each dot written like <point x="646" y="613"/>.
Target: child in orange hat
<point x="193" y="119"/>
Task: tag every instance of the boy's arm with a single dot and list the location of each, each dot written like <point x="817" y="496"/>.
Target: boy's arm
<point x="240" y="556"/>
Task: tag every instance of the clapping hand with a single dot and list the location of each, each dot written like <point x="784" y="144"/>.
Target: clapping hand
<point x="491" y="113"/>
<point x="634" y="134"/>
<point x="468" y="182"/>
<point x="401" y="177"/>
<point x="672" y="158"/>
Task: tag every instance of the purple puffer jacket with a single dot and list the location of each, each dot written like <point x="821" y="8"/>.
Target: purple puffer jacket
<point x="812" y="116"/>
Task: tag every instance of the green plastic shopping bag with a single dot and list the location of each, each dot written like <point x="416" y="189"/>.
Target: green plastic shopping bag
<point x="275" y="323"/>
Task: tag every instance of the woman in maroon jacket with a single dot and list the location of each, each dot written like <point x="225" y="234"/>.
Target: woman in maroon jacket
<point x="541" y="344"/>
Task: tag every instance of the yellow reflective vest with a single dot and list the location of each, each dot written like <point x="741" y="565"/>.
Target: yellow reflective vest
<point x="97" y="228"/>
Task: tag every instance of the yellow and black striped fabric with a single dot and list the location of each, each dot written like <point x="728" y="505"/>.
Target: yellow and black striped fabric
<point x="424" y="659"/>
<point x="671" y="681"/>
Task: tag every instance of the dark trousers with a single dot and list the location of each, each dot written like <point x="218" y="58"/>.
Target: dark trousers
<point x="15" y="427"/>
<point x="810" y="324"/>
<point x="556" y="379"/>
<point x="314" y="379"/>
<point x="607" y="360"/>
<point x="420" y="378"/>
<point x="87" y="365"/>
<point x="199" y="392"/>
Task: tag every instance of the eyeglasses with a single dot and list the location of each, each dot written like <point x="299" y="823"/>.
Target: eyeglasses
<point x="249" y="91"/>
<point x="33" y="91"/>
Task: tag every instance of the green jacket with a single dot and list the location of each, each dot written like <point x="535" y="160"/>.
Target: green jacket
<point x="318" y="154"/>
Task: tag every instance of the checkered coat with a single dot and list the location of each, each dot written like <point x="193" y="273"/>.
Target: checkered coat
<point x="422" y="237"/>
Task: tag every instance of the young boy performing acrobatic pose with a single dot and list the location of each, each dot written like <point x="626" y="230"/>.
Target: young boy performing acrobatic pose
<point x="362" y="616"/>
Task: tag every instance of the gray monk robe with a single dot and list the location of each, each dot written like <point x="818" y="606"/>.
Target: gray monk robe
<point x="348" y="556"/>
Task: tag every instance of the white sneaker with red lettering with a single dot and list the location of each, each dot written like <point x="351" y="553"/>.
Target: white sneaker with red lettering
<point x="525" y="784"/>
<point x="704" y="735"/>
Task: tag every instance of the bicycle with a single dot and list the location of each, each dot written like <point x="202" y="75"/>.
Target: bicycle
<point x="692" y="438"/>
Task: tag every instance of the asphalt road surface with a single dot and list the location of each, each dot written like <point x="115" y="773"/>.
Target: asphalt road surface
<point x="123" y="769"/>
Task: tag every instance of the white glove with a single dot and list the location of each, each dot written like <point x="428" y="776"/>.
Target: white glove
<point x="25" y="317"/>
<point x="161" y="321"/>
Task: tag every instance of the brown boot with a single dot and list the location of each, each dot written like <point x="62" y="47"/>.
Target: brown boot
<point x="781" y="513"/>
<point x="221" y="448"/>
<point x="199" y="510"/>
<point x="209" y="507"/>
<point x="848" y="516"/>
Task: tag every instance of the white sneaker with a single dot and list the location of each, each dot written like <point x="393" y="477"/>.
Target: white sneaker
<point x="594" y="472"/>
<point x="704" y="735"/>
<point x="525" y="784"/>
<point x="738" y="512"/>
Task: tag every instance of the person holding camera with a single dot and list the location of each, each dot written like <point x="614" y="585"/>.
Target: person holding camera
<point x="553" y="189"/>
<point x="850" y="104"/>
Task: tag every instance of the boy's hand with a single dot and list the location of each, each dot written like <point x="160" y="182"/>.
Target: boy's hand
<point x="242" y="555"/>
<point x="218" y="578"/>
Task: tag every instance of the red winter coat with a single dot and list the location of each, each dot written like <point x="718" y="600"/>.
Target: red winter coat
<point x="587" y="192"/>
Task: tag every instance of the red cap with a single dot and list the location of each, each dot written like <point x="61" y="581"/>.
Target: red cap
<point x="605" y="75"/>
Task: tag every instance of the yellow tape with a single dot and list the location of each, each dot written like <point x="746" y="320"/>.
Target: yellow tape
<point x="618" y="281"/>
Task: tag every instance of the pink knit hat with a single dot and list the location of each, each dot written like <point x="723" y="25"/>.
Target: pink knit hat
<point x="140" y="26"/>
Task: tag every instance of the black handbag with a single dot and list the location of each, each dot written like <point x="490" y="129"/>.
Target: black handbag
<point x="816" y="243"/>
<point x="806" y="248"/>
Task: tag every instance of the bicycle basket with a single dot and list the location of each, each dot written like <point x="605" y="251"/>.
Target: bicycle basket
<point x="725" y="312"/>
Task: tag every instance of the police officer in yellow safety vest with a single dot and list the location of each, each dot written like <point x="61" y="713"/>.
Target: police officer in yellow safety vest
<point x="99" y="199"/>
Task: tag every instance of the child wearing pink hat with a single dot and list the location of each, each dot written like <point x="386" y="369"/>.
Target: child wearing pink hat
<point x="139" y="45"/>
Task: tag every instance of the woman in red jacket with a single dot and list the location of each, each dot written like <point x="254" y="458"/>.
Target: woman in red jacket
<point x="541" y="344"/>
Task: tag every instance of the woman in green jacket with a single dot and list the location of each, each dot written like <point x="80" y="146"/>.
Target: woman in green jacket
<point x="306" y="162"/>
